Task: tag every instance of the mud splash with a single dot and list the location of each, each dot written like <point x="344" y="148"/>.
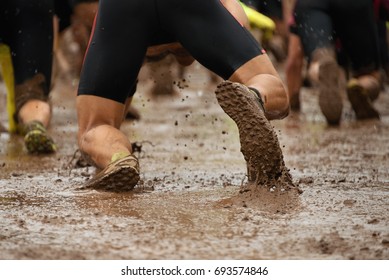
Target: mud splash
<point x="269" y="200"/>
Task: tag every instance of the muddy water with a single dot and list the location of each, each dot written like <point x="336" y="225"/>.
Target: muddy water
<point x="192" y="202"/>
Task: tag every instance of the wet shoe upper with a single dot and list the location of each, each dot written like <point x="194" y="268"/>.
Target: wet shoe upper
<point x="360" y="101"/>
<point x="36" y="138"/>
<point x="120" y="175"/>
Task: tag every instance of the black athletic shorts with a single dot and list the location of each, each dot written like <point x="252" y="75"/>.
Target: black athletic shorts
<point x="124" y="29"/>
<point x="27" y="28"/>
<point x="319" y="23"/>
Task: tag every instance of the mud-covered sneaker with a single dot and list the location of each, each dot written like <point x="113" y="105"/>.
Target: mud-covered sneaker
<point x="330" y="100"/>
<point x="360" y="101"/>
<point x="259" y="142"/>
<point x="119" y="175"/>
<point x="36" y="138"/>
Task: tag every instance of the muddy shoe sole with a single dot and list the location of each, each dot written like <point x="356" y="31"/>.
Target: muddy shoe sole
<point x="330" y="100"/>
<point x="121" y="175"/>
<point x="39" y="142"/>
<point x="259" y="142"/>
<point x="360" y="102"/>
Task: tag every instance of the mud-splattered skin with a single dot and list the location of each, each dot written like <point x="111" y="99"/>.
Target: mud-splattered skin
<point x="259" y="143"/>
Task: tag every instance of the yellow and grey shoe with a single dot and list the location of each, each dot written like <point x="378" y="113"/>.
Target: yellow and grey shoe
<point x="36" y="138"/>
<point x="360" y="101"/>
<point x="122" y="174"/>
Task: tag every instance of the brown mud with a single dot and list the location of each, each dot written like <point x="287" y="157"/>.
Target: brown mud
<point x="193" y="200"/>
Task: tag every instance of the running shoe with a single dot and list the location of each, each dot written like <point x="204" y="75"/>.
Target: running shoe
<point x="36" y="138"/>
<point x="330" y="100"/>
<point x="259" y="142"/>
<point x="360" y="101"/>
<point x="119" y="175"/>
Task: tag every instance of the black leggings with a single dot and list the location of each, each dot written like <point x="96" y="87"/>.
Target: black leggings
<point x="27" y="28"/>
<point x="320" y="22"/>
<point x="124" y="30"/>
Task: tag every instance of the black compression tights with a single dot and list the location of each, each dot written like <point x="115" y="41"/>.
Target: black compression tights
<point x="26" y="26"/>
<point x="124" y="30"/>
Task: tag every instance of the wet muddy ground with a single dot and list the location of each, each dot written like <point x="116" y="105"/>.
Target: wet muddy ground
<point x="190" y="203"/>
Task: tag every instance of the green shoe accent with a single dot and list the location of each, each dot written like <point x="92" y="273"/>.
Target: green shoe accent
<point x="33" y="125"/>
<point x="119" y="155"/>
<point x="36" y="139"/>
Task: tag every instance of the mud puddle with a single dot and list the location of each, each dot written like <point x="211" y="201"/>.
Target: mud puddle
<point x="191" y="202"/>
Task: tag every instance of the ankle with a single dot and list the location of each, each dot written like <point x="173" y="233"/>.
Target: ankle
<point x="257" y="94"/>
<point x="30" y="126"/>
